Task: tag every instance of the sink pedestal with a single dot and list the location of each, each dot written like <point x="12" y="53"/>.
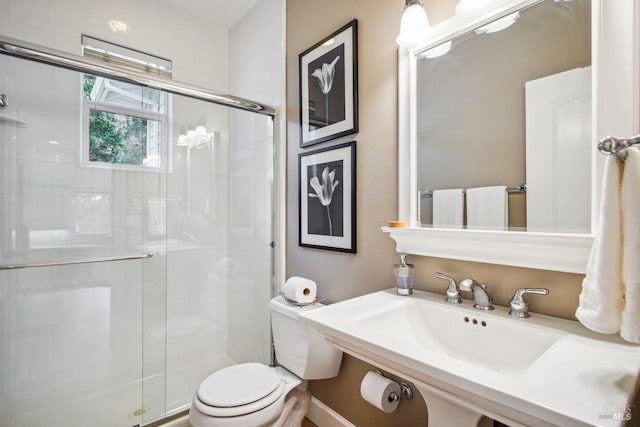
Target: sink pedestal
<point x="443" y="412"/>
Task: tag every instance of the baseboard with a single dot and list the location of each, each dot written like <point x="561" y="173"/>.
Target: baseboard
<point x="319" y="413"/>
<point x="180" y="419"/>
<point x="323" y="416"/>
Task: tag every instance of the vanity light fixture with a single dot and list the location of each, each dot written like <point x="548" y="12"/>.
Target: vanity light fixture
<point x="436" y="51"/>
<point x="414" y="25"/>
<point x="473" y="8"/>
<point x="194" y="138"/>
<point x="499" y="24"/>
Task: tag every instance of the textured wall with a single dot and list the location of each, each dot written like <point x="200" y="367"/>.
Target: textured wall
<point x="341" y="276"/>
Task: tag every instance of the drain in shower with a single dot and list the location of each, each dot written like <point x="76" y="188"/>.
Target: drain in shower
<point x="139" y="412"/>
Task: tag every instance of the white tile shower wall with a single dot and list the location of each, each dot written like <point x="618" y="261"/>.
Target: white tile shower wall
<point x="194" y="44"/>
<point x="256" y="64"/>
<point x="77" y="333"/>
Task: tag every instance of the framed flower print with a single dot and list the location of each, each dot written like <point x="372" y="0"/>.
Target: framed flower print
<point x="327" y="204"/>
<point x="329" y="87"/>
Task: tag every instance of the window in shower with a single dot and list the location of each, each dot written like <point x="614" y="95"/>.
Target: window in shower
<point x="124" y="125"/>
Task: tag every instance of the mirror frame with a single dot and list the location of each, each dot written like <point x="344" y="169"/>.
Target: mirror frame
<point x="615" y="59"/>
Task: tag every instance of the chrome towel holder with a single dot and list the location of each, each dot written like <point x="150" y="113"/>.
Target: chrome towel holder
<point x="617" y="146"/>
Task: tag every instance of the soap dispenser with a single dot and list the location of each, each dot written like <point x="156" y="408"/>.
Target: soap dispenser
<point x="404" y="276"/>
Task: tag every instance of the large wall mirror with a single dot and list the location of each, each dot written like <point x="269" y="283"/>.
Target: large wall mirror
<point x="509" y="107"/>
<point x="499" y="120"/>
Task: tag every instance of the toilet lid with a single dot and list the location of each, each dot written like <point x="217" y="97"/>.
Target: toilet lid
<point x="238" y="385"/>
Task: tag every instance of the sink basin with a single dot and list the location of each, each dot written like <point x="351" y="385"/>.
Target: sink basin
<point x="539" y="371"/>
<point x="505" y="346"/>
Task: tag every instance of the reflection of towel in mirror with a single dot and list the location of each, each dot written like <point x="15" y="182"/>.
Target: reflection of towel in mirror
<point x="630" y="327"/>
<point x="156" y="217"/>
<point x="448" y="208"/>
<point x="487" y="208"/>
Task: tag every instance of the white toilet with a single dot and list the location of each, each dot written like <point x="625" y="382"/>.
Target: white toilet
<point x="256" y="395"/>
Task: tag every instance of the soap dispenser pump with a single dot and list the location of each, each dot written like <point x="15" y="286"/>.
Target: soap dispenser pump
<point x="404" y="276"/>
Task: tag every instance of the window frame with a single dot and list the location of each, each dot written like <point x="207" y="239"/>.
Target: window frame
<point x="163" y="118"/>
<point x="102" y="50"/>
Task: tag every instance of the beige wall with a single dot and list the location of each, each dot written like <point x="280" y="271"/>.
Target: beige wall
<point x="340" y="276"/>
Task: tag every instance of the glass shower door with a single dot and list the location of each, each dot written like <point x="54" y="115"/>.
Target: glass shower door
<point x="135" y="246"/>
<point x="219" y="256"/>
<point x="71" y="331"/>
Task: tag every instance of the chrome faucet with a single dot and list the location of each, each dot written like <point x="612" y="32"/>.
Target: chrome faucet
<point x="518" y="306"/>
<point x="481" y="299"/>
<point x="452" y="293"/>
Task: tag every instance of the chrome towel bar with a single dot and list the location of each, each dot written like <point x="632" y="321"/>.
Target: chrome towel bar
<point x="613" y="145"/>
<point x="57" y="58"/>
<point x="521" y="188"/>
<point x="74" y="262"/>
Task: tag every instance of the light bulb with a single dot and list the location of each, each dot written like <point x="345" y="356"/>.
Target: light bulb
<point x="499" y="24"/>
<point x="414" y="26"/>
<point x="118" y="26"/>
<point x="437" y="51"/>
<point x="472" y="8"/>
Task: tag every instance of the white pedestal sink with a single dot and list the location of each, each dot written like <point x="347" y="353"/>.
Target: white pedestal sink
<point x="469" y="364"/>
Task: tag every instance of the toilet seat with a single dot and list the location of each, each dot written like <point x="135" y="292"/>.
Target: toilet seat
<point x="238" y="390"/>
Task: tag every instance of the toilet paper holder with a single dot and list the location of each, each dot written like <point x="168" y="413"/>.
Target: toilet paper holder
<point x="405" y="390"/>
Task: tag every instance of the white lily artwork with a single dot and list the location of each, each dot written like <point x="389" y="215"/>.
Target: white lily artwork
<point x="329" y="87"/>
<point x="324" y="192"/>
<point x="327" y="202"/>
<point x="325" y="77"/>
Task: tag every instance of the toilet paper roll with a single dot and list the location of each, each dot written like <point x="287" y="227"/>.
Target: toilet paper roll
<point x="378" y="390"/>
<point x="300" y="289"/>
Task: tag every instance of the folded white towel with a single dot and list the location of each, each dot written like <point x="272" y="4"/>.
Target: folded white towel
<point x="448" y="208"/>
<point x="630" y="327"/>
<point x="601" y="300"/>
<point x="487" y="208"/>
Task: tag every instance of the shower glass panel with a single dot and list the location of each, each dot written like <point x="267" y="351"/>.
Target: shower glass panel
<point x="111" y="342"/>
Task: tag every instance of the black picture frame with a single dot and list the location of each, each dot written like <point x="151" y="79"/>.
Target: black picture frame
<point x="328" y="74"/>
<point x="327" y="198"/>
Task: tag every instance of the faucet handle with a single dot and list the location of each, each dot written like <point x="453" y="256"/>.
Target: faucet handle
<point x="452" y="293"/>
<point x="518" y="306"/>
<point x="469" y="284"/>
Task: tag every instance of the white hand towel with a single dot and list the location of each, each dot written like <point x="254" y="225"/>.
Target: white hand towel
<point x="448" y="208"/>
<point x="487" y="208"/>
<point x="630" y="327"/>
<point x="601" y="300"/>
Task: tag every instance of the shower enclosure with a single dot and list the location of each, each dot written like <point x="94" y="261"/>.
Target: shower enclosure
<point x="135" y="239"/>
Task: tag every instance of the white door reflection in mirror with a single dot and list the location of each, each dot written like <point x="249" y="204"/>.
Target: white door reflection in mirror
<point x="558" y="123"/>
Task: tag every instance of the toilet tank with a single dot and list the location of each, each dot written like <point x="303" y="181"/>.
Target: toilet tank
<point x="298" y="348"/>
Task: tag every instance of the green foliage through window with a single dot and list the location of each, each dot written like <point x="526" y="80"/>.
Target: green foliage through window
<point x="114" y="135"/>
<point x="117" y="138"/>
